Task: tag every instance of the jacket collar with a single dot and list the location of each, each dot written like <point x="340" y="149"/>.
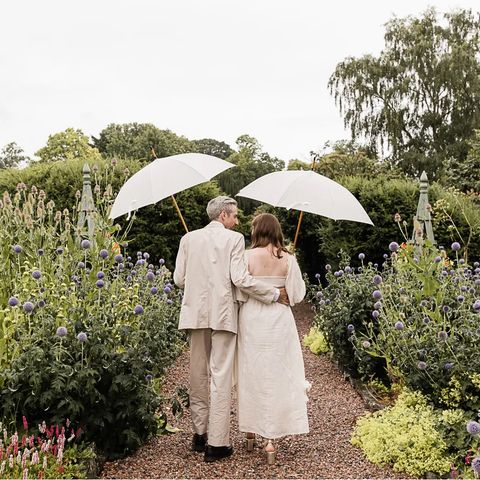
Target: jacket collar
<point x="215" y="224"/>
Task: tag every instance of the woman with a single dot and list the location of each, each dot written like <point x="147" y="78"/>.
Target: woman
<point x="270" y="372"/>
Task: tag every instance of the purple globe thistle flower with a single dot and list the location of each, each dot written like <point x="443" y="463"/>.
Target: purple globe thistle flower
<point x="118" y="258"/>
<point x="477" y="282"/>
<point x="103" y="253"/>
<point x="460" y="298"/>
<point x="17" y="249"/>
<point x="476" y="465"/>
<point x="62" y="331"/>
<point x="393" y="247"/>
<point x="377" y="279"/>
<point x="455" y="246"/>
<point x="471" y="290"/>
<point x="377" y="294"/>
<point x="85" y="244"/>
<point x="463" y="288"/>
<point x="338" y="273"/>
<point x="138" y="310"/>
<point x="141" y="261"/>
<point x="148" y="377"/>
<point x="121" y="266"/>
<point x="327" y="301"/>
<point x="444" y="273"/>
<point x="150" y="276"/>
<point x="423" y="303"/>
<point x="426" y="320"/>
<point x="361" y="256"/>
<point x="399" y="325"/>
<point x="377" y="305"/>
<point x="169" y="301"/>
<point x="100" y="275"/>
<point x="317" y="276"/>
<point x="348" y="269"/>
<point x="375" y="314"/>
<point x="167" y="289"/>
<point x="100" y="283"/>
<point x="151" y="267"/>
<point x="375" y="265"/>
<point x="146" y="255"/>
<point x="461" y="261"/>
<point x="442" y="335"/>
<point x="40" y="252"/>
<point x="350" y="327"/>
<point x="154" y="290"/>
<point x="133" y="272"/>
<point x="321" y="303"/>
<point x="385" y="256"/>
<point x="448" y="366"/>
<point x="473" y="427"/>
<point x="59" y="250"/>
<point x="437" y="259"/>
<point x="81" y="265"/>
<point x="476" y="264"/>
<point x="319" y="294"/>
<point x="129" y="278"/>
<point x="13" y="301"/>
<point x="476" y="305"/>
<point x="366" y="344"/>
<point x="421" y="365"/>
<point x="477" y="270"/>
<point x="161" y="261"/>
<point x="36" y="274"/>
<point x="28" y="307"/>
<point x="41" y="303"/>
<point x="74" y="278"/>
<point x="139" y="254"/>
<point x="446" y="308"/>
<point x="360" y="269"/>
<point x="82" y="337"/>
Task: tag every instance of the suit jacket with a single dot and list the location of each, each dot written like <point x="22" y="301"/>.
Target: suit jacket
<point x="210" y="263"/>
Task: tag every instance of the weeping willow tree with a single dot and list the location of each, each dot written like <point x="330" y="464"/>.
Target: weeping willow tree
<point x="418" y="102"/>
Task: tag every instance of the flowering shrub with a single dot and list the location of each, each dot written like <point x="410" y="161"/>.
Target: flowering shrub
<point x="315" y="341"/>
<point x="46" y="452"/>
<point x="84" y="327"/>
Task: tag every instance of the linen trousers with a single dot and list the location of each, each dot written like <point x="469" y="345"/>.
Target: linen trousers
<point x="211" y="351"/>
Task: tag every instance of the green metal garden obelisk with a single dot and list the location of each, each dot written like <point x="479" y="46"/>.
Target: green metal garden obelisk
<point x="422" y="221"/>
<point x="86" y="208"/>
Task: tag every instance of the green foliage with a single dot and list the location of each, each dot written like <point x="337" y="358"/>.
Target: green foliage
<point x="213" y="147"/>
<point x="316" y="342"/>
<point x="406" y="436"/>
<point x="68" y="145"/>
<point x="11" y="156"/>
<point x="420" y="97"/>
<point x="103" y="380"/>
<point x="139" y="141"/>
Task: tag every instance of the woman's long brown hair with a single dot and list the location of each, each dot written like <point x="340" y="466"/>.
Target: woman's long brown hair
<point x="266" y="230"/>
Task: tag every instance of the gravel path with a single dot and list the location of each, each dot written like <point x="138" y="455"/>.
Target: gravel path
<point x="325" y="452"/>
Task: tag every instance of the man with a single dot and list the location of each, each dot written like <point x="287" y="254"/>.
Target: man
<point x="210" y="262"/>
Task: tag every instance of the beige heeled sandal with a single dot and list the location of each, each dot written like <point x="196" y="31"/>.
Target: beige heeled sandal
<point x="271" y="453"/>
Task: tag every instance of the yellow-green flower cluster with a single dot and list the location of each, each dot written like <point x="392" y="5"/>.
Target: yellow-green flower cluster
<point x="315" y="340"/>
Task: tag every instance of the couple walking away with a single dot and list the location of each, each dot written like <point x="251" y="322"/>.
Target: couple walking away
<point x="236" y="309"/>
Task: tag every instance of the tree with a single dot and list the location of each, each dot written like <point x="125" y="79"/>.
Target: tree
<point x="213" y="147"/>
<point x="12" y="155"/>
<point x="419" y="100"/>
<point x="68" y="145"/>
<point x="138" y="141"/>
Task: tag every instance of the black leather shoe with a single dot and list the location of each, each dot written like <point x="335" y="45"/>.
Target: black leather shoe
<point x="199" y="442"/>
<point x="217" y="453"/>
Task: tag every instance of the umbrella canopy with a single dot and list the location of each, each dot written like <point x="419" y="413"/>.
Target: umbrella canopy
<point x="306" y="191"/>
<point x="164" y="177"/>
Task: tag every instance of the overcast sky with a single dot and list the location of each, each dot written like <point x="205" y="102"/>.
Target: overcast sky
<point x="201" y="68"/>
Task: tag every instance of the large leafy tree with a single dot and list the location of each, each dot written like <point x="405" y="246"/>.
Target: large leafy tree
<point x="418" y="102"/>
<point x="213" y="147"/>
<point x="12" y="155"/>
<point x="68" y="145"/>
<point x="138" y="141"/>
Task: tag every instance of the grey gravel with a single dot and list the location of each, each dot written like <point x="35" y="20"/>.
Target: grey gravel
<point x="325" y="452"/>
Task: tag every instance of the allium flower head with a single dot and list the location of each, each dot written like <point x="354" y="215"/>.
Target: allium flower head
<point x="317" y="276"/>
<point x="377" y="294"/>
<point x="473" y="428"/>
<point x="437" y="259"/>
<point x="28" y="307"/>
<point x="146" y="255"/>
<point x="476" y="465"/>
<point x="118" y="258"/>
<point x="150" y="276"/>
<point x="399" y="325"/>
<point x="348" y="269"/>
<point x="82" y="337"/>
<point x="85" y="244"/>
<point x="167" y="289"/>
<point x="377" y="279"/>
<point x="455" y="246"/>
<point x="460" y="298"/>
<point x="100" y="275"/>
<point x="62" y="331"/>
<point x="81" y="265"/>
<point x="375" y="314"/>
<point x="422" y="365"/>
<point x="100" y="283"/>
<point x="328" y="267"/>
<point x="154" y="290"/>
<point x="361" y="256"/>
<point x="393" y="247"/>
<point x="13" y="301"/>
<point x="377" y="305"/>
<point x="169" y="301"/>
<point x="476" y="305"/>
<point x="138" y="309"/>
<point x="17" y="249"/>
<point x="103" y="253"/>
<point x="338" y="273"/>
<point x="161" y="261"/>
<point x="36" y="274"/>
<point x="350" y="327"/>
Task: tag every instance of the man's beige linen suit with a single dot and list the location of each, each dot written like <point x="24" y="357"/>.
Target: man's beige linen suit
<point x="210" y="264"/>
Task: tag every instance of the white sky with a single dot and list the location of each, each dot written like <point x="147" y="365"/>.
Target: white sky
<point x="201" y="68"/>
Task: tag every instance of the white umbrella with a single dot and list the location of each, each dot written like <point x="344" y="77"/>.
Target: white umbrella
<point x="306" y="191"/>
<point x="164" y="177"/>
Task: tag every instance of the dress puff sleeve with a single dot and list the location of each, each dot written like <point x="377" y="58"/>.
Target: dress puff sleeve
<point x="294" y="283"/>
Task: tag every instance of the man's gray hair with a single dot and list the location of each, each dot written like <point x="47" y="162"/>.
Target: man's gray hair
<point x="220" y="204"/>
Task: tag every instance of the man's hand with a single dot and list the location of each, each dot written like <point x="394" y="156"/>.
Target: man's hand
<point x="283" y="298"/>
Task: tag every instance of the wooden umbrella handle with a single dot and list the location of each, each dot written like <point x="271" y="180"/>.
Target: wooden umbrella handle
<point x="179" y="213"/>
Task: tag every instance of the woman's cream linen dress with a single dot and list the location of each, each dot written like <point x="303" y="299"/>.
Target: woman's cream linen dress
<point x="271" y="382"/>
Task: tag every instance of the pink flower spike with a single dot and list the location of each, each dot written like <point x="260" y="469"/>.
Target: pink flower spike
<point x="25" y="423"/>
